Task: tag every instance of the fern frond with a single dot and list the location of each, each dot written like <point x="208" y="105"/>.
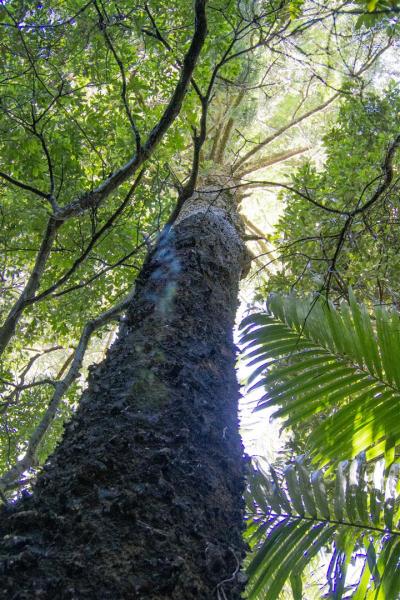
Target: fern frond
<point x="354" y="514"/>
<point x="338" y="369"/>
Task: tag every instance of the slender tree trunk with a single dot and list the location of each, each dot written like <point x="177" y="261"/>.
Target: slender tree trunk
<point x="143" y="496"/>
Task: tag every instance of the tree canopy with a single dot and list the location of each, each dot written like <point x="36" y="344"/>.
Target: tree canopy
<point x="111" y="116"/>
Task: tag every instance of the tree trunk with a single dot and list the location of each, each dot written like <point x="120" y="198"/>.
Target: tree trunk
<point x="143" y="496"/>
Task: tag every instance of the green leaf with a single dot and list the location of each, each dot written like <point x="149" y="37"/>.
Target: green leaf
<point x="333" y="371"/>
<point x="339" y="514"/>
<point x="296" y="584"/>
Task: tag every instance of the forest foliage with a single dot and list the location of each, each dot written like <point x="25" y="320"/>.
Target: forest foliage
<point x="332" y="375"/>
<point x="324" y="520"/>
<point x="111" y="115"/>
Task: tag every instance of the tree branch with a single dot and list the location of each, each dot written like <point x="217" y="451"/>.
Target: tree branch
<point x="10" y="479"/>
<point x="93" y="199"/>
<point x="267" y="161"/>
<point x="258" y="184"/>
<point x="123" y="77"/>
<point x="107" y="225"/>
<point x="8" y="327"/>
<point x="24" y="186"/>
<point x="228" y="128"/>
<point x="198" y="141"/>
<point x="387" y="169"/>
<point x="283" y="130"/>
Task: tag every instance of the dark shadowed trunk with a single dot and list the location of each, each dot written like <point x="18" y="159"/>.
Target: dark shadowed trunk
<point x="143" y="496"/>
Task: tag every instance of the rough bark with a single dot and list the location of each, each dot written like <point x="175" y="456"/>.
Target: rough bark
<point x="143" y="496"/>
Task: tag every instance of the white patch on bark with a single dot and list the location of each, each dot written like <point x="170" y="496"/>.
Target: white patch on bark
<point x="219" y="201"/>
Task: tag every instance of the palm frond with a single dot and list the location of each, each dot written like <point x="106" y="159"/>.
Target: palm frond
<point x="338" y="369"/>
<point x="354" y="514"/>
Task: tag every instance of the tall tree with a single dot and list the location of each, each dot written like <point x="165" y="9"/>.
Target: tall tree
<point x="143" y="497"/>
<point x="102" y="238"/>
<point x="159" y="418"/>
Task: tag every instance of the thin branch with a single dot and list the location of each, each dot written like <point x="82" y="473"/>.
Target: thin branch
<point x="333" y="261"/>
<point x="253" y="227"/>
<point x="121" y="68"/>
<point x="257" y="184"/>
<point x="107" y="225"/>
<point x="10" y="478"/>
<point x="198" y="140"/>
<point x="8" y="327"/>
<point x="387" y="168"/>
<point x="283" y="130"/>
<point x="93" y="199"/>
<point x="158" y="36"/>
<point x="119" y="262"/>
<point x="24" y="186"/>
<point x="48" y="25"/>
<point x="51" y="194"/>
<point x="228" y="128"/>
<point x="273" y="159"/>
<point x="215" y="141"/>
<point x="383" y="187"/>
